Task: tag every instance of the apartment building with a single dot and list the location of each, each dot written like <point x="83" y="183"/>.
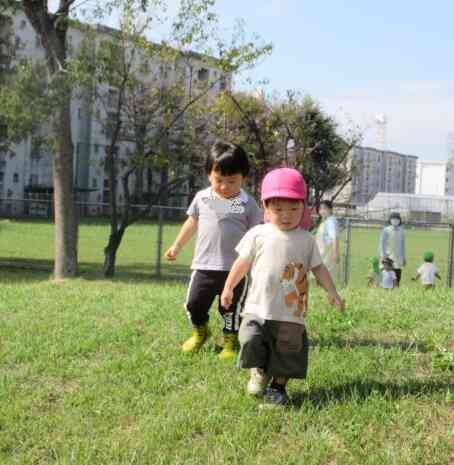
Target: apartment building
<point x="449" y="179"/>
<point x="26" y="171"/>
<point x="379" y="171"/>
<point x="431" y="178"/>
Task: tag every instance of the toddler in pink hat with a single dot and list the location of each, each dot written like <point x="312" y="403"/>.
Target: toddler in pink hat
<point x="279" y="256"/>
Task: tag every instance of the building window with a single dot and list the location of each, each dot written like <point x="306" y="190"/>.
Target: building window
<point x="112" y="98"/>
<point x="15" y="178"/>
<point x="203" y="74"/>
<point x="223" y="83"/>
<point x="111" y="122"/>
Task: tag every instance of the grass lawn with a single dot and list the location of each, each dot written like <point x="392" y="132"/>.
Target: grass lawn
<point x="91" y="372"/>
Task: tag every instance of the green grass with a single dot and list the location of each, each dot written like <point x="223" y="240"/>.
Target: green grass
<point x="30" y="244"/>
<point x="364" y="244"/>
<point x="91" y="372"/>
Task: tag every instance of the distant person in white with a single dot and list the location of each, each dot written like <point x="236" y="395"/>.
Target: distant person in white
<point x="392" y="244"/>
<point x="388" y="275"/>
<point x="427" y="272"/>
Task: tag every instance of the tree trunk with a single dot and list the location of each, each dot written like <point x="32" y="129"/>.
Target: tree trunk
<point x="52" y="33"/>
<point x="164" y="180"/>
<point x="138" y="185"/>
<point x="66" y="221"/>
<point x="110" y="252"/>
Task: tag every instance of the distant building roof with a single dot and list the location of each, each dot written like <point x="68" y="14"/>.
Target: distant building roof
<point x="397" y="195"/>
<point x="393" y="152"/>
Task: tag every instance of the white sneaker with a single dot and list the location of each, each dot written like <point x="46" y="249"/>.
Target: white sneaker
<point x="258" y="382"/>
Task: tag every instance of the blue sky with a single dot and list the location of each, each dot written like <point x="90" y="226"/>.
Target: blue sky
<point x="360" y="59"/>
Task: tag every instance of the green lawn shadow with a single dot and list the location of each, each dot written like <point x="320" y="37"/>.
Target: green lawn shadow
<point x="361" y="390"/>
<point x="341" y="343"/>
<point x="31" y="270"/>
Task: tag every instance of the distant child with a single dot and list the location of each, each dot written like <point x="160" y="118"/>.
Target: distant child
<point x="388" y="274"/>
<point x="279" y="254"/>
<point x="427" y="272"/>
<point x="220" y="215"/>
<point x="374" y="277"/>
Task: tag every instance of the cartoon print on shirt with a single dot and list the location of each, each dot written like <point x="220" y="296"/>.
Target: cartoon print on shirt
<point x="296" y="288"/>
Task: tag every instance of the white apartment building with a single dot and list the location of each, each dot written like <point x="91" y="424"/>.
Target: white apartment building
<point x="449" y="180"/>
<point x="27" y="173"/>
<point x="435" y="178"/>
<point x="431" y="178"/>
<point x="379" y="171"/>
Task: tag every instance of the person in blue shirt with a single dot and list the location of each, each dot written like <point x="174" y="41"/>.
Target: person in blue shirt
<point x="392" y="244"/>
<point x="327" y="238"/>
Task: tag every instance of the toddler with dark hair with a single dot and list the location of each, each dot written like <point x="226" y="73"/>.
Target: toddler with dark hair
<point x="220" y="215"/>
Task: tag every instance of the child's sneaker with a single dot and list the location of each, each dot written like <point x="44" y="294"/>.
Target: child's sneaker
<point x="231" y="347"/>
<point x="258" y="382"/>
<point x="199" y="336"/>
<point x="275" y="397"/>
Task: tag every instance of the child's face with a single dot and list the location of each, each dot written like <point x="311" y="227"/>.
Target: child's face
<point x="226" y="186"/>
<point x="284" y="214"/>
<point x="387" y="266"/>
<point x="325" y="212"/>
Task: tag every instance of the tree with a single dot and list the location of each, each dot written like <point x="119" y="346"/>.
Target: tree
<point x="52" y="29"/>
<point x="292" y="131"/>
<point x="50" y="98"/>
<point x="321" y="152"/>
<point x="143" y="109"/>
<point x="249" y="120"/>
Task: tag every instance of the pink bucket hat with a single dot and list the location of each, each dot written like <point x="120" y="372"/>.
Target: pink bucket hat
<point x="284" y="183"/>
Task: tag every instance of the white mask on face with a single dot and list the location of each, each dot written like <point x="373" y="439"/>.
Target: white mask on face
<point x="395" y="222"/>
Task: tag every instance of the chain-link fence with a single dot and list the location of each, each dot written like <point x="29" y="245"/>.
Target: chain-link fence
<point x="28" y="243"/>
<point x="360" y="242"/>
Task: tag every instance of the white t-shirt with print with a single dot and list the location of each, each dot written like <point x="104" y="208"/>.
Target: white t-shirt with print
<point x="279" y="280"/>
<point x="388" y="279"/>
<point x="428" y="272"/>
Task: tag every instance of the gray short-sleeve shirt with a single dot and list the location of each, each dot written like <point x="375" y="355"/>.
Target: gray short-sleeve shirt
<point x="281" y="260"/>
<point x="222" y="223"/>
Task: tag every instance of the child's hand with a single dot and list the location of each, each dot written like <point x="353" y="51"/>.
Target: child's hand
<point x="226" y="298"/>
<point x="172" y="253"/>
<point x="337" y="302"/>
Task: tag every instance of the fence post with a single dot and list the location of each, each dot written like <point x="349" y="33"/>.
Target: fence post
<point x="159" y="241"/>
<point x="450" y="274"/>
<point x="347" y="247"/>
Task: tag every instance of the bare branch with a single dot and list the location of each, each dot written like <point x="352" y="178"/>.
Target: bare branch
<point x="341" y="188"/>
